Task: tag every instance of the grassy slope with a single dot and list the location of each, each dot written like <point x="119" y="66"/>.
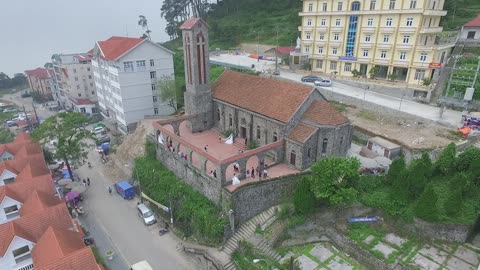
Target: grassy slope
<point x="459" y="13"/>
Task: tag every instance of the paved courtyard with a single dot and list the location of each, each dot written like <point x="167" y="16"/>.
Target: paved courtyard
<point x="218" y="149"/>
<point x="323" y="256"/>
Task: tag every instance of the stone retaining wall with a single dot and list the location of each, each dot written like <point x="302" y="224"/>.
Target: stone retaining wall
<point x="436" y="231"/>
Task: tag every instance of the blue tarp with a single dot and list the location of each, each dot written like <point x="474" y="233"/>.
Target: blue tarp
<point x="66" y="175"/>
<point x="105" y="146"/>
<point x="364" y="219"/>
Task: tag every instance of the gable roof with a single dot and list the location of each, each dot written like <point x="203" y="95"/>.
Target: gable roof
<point x="39" y="73"/>
<point x="38" y="201"/>
<point x="23" y="137"/>
<point x="115" y="47"/>
<point x="8" y="231"/>
<point x="276" y="99"/>
<point x="21" y="190"/>
<point x="322" y="113"/>
<point x="54" y="245"/>
<point x="82" y="259"/>
<point x="473" y="23"/>
<point x="190" y="23"/>
<point x="301" y="132"/>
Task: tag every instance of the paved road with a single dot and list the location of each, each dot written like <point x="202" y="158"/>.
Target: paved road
<point x="27" y="102"/>
<point x="132" y="240"/>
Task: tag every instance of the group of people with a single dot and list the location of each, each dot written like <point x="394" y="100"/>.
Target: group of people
<point x="86" y="182"/>
<point x="182" y="156"/>
<point x="263" y="173"/>
<point x="213" y="173"/>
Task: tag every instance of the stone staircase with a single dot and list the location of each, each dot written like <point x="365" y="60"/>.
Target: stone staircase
<point x="266" y="249"/>
<point x="240" y="143"/>
<point x="243" y="233"/>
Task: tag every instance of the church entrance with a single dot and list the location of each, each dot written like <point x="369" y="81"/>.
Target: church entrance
<point x="243" y="132"/>
<point x="293" y="157"/>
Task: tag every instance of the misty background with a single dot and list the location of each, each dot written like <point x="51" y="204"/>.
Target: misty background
<point x="34" y="30"/>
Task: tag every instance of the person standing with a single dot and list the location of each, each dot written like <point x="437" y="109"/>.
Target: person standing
<point x="88" y="181"/>
<point x="84" y="183"/>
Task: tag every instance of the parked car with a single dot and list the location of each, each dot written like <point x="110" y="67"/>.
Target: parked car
<point x="143" y="265"/>
<point x="325" y="82"/>
<point x="10" y="110"/>
<point x="310" y="78"/>
<point x="12" y="124"/>
<point x="99" y="131"/>
<point x="25" y="95"/>
<point x="146" y="214"/>
<point x="102" y="139"/>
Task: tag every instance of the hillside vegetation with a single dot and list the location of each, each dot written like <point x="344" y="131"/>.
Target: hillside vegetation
<point x="459" y="13"/>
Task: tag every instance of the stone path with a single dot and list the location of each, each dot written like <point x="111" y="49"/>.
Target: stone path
<point x="326" y="257"/>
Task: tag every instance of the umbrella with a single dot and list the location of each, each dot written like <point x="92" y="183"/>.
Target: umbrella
<point x="64" y="182"/>
<point x="72" y="195"/>
<point x="79" y="189"/>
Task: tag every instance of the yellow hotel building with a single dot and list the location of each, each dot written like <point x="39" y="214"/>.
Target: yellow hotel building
<point x="400" y="37"/>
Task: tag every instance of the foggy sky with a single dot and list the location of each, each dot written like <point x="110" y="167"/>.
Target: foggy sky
<point x="32" y="30"/>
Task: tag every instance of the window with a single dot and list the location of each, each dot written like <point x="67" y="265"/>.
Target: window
<point x="275" y="137"/>
<point x="321" y="36"/>
<point x="76" y="79"/>
<point x="339" y="7"/>
<point x="419" y="74"/>
<point x="309" y="22"/>
<point x="74" y="70"/>
<point x="230" y="120"/>
<point x="319" y="64"/>
<point x="333" y="65"/>
<point x="423" y="57"/>
<point x="392" y="4"/>
<point x="370" y="22"/>
<point x="471" y="35"/>
<point x="389" y="22"/>
<point x="93" y="92"/>
<point x="79" y="95"/>
<point x="368" y="38"/>
<point x="383" y="54"/>
<point x="152" y="62"/>
<point x="356" y="6"/>
<point x="20" y="254"/>
<point x="153" y="74"/>
<point x="155" y="111"/>
<point x="341" y="141"/>
<point x="307" y="49"/>
<point x="347" y="67"/>
<point x="154" y="87"/>
<point x="141" y="65"/>
<point x="386" y="38"/>
<point x="218" y="115"/>
<point x="406" y="39"/>
<point x="308" y="35"/>
<point x="155" y="99"/>
<point x="334" y="51"/>
<point x="335" y="36"/>
<point x="372" y="4"/>
<point x="310" y="7"/>
<point x="8" y="180"/>
<point x="128" y="66"/>
<point x="365" y="53"/>
<point x="320" y="50"/>
<point x="258" y="132"/>
<point x="324" y="7"/>
<point x="83" y="110"/>
<point x="413" y="4"/>
<point x="91" y="84"/>
<point x="337" y="22"/>
<point x="11" y="211"/>
<point x="403" y="55"/>
<point x="323" y="22"/>
<point x="90" y="77"/>
<point x="309" y="152"/>
<point x="324" y="146"/>
<point x="409" y="21"/>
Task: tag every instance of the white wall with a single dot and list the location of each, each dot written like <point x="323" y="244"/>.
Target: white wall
<point x="7" y="201"/>
<point x="464" y="33"/>
<point x="6" y="174"/>
<point x="5" y="155"/>
<point x="7" y="262"/>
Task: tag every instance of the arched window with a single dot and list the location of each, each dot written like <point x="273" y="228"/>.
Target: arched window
<point x="293" y="157"/>
<point x="258" y="132"/>
<point x="355" y="6"/>
<point x="309" y="152"/>
<point x="218" y="115"/>
<point x="275" y="137"/>
<point x="230" y="120"/>
<point x="324" y="146"/>
<point x="341" y="140"/>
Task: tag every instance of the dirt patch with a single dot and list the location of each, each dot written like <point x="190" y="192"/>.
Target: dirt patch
<point x="410" y="132"/>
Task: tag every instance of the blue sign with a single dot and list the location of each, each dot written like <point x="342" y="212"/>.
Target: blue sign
<point x="364" y="219"/>
<point x="347" y="58"/>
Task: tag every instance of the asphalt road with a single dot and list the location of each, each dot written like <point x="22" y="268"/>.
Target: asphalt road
<point x="123" y="230"/>
<point x="27" y="102"/>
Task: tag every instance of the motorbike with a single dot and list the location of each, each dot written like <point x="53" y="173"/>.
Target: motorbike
<point x="87" y="239"/>
<point x="89" y="165"/>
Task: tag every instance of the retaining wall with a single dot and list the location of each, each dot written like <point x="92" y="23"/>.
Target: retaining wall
<point x="435" y="231"/>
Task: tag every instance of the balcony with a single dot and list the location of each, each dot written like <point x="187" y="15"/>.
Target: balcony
<point x="369" y="29"/>
<point x="431" y="30"/>
<point x="384" y="46"/>
<point x="388" y="29"/>
<point x="421" y="64"/>
<point x="380" y="61"/>
<point x="404" y="46"/>
<point x="407" y="30"/>
<point x="400" y="63"/>
<point x="434" y="12"/>
<point x="365" y="45"/>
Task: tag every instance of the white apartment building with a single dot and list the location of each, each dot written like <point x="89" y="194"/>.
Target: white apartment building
<point x="126" y="72"/>
<point x="402" y="39"/>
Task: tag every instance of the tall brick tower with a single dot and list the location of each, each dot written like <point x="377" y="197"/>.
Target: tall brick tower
<point x="198" y="97"/>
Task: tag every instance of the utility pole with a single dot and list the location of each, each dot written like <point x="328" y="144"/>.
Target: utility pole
<point x="35" y="112"/>
<point x="276" y="54"/>
<point x="26" y="117"/>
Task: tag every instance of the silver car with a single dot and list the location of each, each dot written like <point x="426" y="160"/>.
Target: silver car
<point x="146" y="214"/>
<point x="323" y="82"/>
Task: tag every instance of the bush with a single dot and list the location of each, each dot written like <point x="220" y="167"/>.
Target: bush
<point x="252" y="144"/>
<point x="303" y="198"/>
<point x="427" y="207"/>
<point x="467" y="158"/>
<point x="427" y="81"/>
<point x="227" y="133"/>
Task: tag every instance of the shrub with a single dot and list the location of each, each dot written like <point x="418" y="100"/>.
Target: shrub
<point x="355" y="73"/>
<point x="303" y="198"/>
<point x="445" y="164"/>
<point x="373" y="72"/>
<point x="252" y="144"/>
<point x="466" y="158"/>
<point x="427" y="207"/>
<point x="227" y="133"/>
<point x="427" y="81"/>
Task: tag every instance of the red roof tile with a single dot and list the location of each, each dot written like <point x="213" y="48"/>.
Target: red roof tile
<point x="283" y="50"/>
<point x="21" y="190"/>
<point x="82" y="101"/>
<point x="82" y="259"/>
<point x="473" y="23"/>
<point x="189" y="24"/>
<point x="322" y="113"/>
<point x="39" y="73"/>
<point x="7" y="232"/>
<point x="38" y="201"/>
<point x="301" y="132"/>
<point x="114" y="47"/>
<point x="23" y="137"/>
<point x="54" y="245"/>
<point x="272" y="98"/>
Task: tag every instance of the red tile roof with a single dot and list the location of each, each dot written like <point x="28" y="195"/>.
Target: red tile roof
<point x="272" y="98"/>
<point x="38" y="201"/>
<point x="21" y="148"/>
<point x="283" y="50"/>
<point x="39" y="73"/>
<point x="54" y="245"/>
<point x="473" y="23"/>
<point x="82" y="101"/>
<point x="114" y="47"/>
<point x="189" y="24"/>
<point x="301" y="132"/>
<point x="21" y="190"/>
<point x="7" y="232"/>
<point x="23" y="137"/>
<point x="322" y="113"/>
<point x="82" y="259"/>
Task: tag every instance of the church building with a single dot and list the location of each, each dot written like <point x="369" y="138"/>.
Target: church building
<point x="260" y="110"/>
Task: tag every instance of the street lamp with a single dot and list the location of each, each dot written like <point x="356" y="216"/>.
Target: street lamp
<point x="261" y="260"/>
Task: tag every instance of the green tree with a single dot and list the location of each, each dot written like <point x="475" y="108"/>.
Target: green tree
<point x="454" y="203"/>
<point x="467" y="158"/>
<point x="143" y="22"/>
<point x="427" y="207"/>
<point x="167" y="91"/>
<point x="397" y="169"/>
<point x="5" y="136"/>
<point x="303" y="198"/>
<point x="332" y="179"/>
<point x="419" y="172"/>
<point x="445" y="164"/>
<point x="68" y="130"/>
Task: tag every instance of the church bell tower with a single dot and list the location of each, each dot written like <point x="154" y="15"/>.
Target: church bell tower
<point x="198" y="96"/>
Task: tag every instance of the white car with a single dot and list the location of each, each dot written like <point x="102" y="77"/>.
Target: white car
<point x="323" y="82"/>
